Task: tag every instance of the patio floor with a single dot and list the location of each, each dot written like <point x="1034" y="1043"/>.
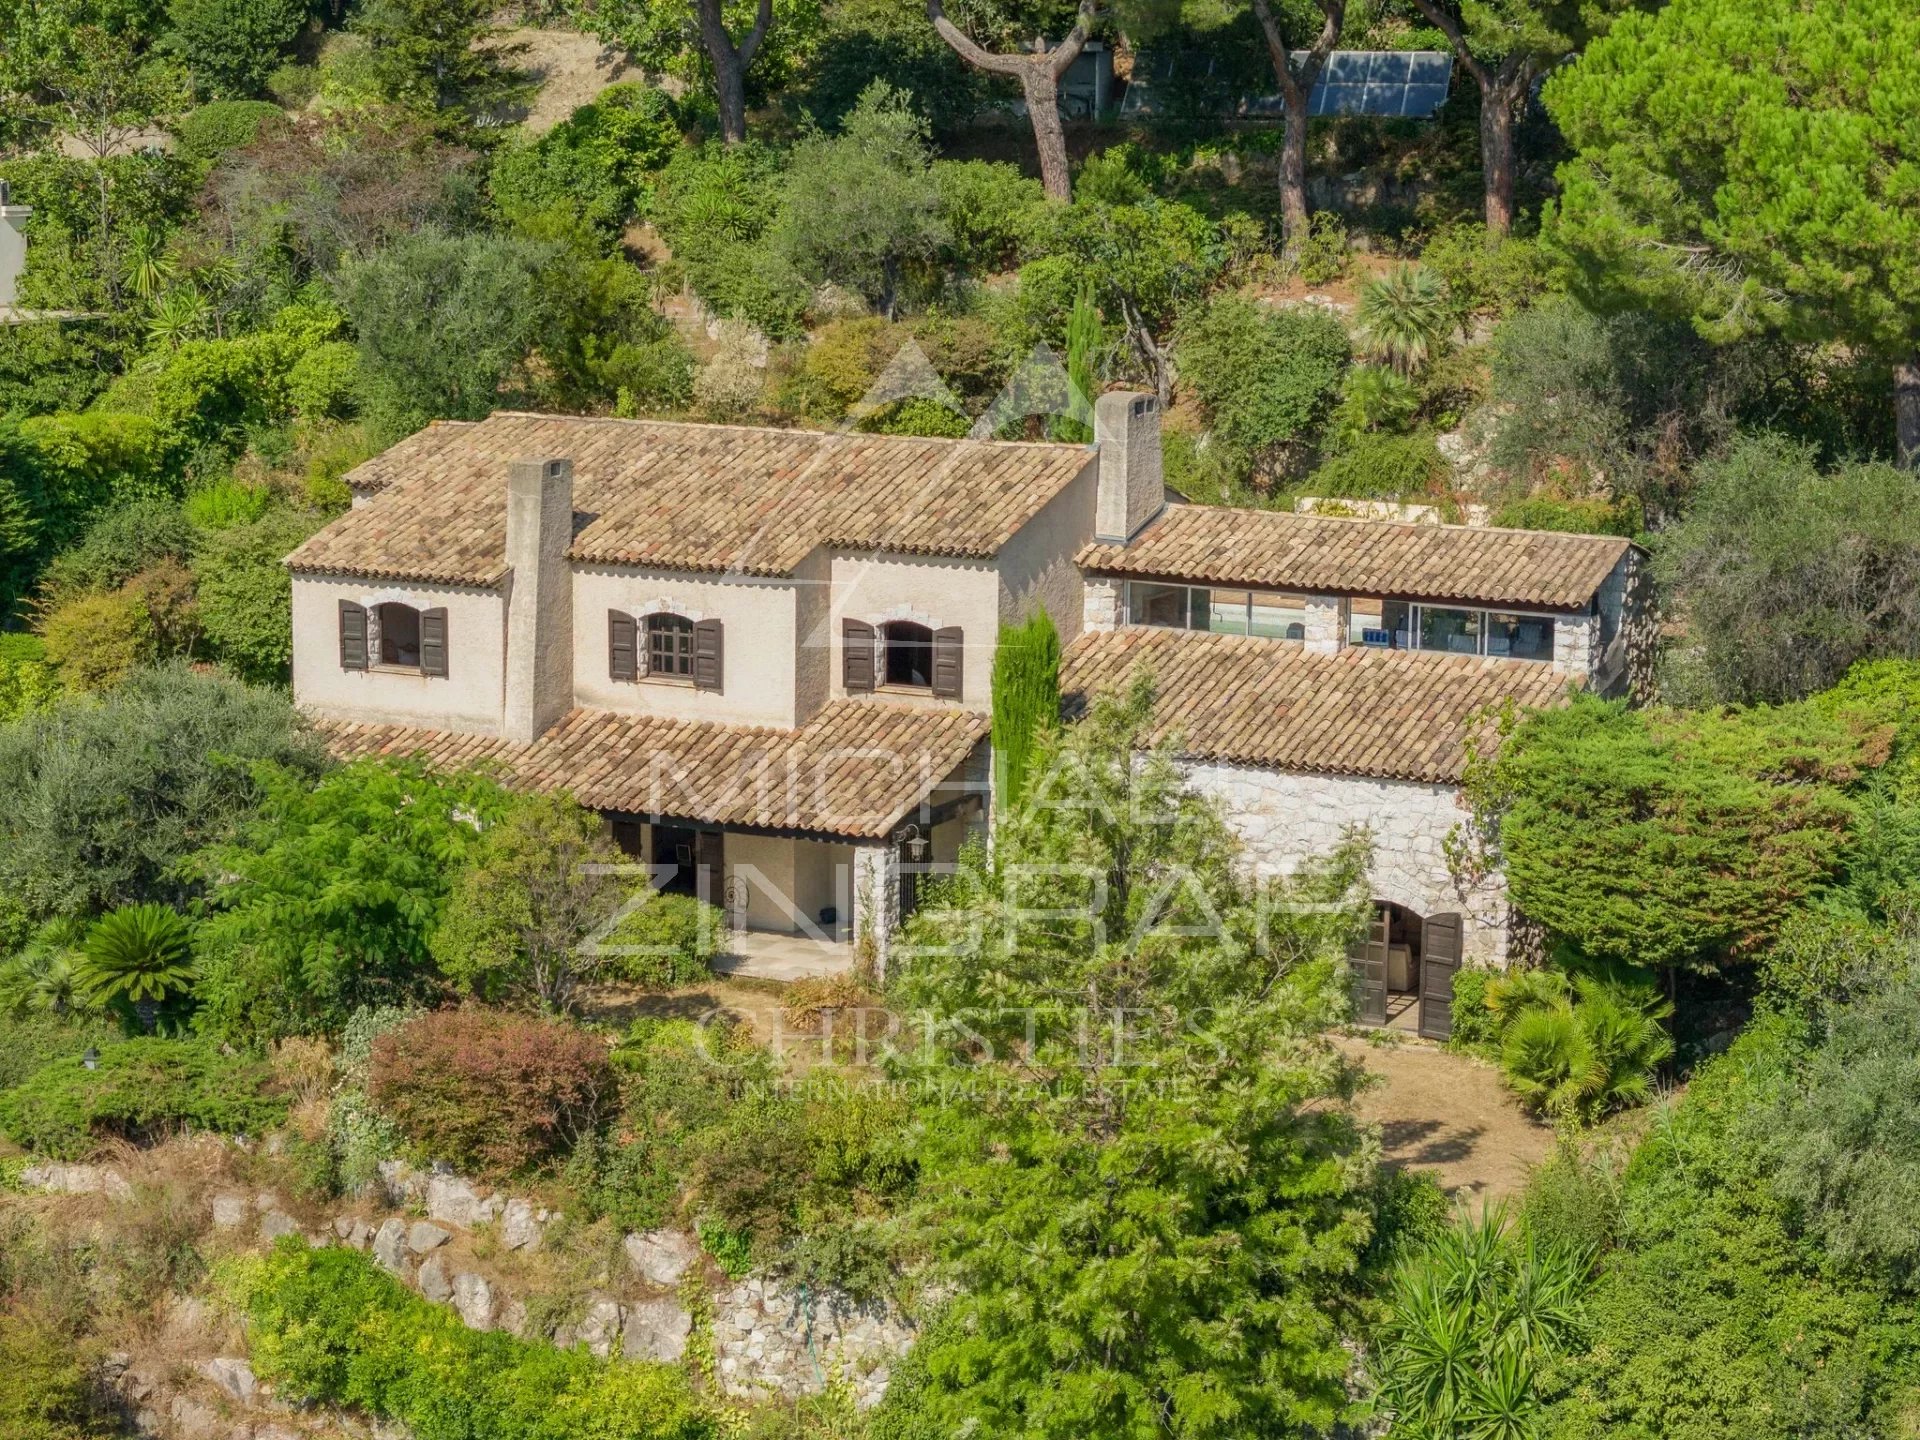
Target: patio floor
<point x="763" y="955"/>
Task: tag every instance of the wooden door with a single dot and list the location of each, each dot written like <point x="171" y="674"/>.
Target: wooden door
<point x="710" y="866"/>
<point x="1368" y="958"/>
<point x="1440" y="940"/>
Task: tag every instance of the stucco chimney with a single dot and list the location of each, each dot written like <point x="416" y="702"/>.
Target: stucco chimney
<point x="539" y="597"/>
<point x="13" y="245"/>
<point x="1126" y="427"/>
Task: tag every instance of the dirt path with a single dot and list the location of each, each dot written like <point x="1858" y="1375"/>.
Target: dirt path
<point x="1448" y="1114"/>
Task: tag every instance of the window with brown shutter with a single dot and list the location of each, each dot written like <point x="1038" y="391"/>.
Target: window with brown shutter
<point x="433" y="643"/>
<point x="708" y="661"/>
<point x="948" y="670"/>
<point x="622" y="656"/>
<point x="353" y="636"/>
<point x="856" y="656"/>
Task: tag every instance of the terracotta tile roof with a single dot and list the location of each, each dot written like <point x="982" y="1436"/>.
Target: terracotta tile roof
<point x="856" y="769"/>
<point x="1398" y="714"/>
<point x="686" y="497"/>
<point x="1220" y="545"/>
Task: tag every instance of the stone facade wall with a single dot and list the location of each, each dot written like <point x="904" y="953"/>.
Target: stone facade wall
<point x="1285" y="819"/>
<point x="1101" y="605"/>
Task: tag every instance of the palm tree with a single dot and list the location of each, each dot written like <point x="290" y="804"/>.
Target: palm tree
<point x="146" y="268"/>
<point x="1403" y="315"/>
<point x="137" y="959"/>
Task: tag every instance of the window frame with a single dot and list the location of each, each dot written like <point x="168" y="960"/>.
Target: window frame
<point x="1197" y="601"/>
<point x="888" y="644"/>
<point x="1483" y="616"/>
<point x="678" y="629"/>
<point x="382" y="630"/>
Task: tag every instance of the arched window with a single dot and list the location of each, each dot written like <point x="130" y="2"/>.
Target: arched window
<point x="399" y="634"/>
<point x="909" y="650"/>
<point x="669" y="645"/>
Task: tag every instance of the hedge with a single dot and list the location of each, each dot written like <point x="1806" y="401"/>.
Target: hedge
<point x="329" y="1325"/>
<point x="138" y="1090"/>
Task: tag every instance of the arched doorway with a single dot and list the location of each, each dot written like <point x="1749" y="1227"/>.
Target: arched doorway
<point x="1403" y="970"/>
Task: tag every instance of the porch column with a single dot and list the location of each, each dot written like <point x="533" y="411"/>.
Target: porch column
<point x="876" y="901"/>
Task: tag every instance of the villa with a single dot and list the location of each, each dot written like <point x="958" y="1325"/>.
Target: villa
<point x="766" y="655"/>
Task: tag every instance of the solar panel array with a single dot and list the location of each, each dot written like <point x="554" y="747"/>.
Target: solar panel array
<point x="1410" y="84"/>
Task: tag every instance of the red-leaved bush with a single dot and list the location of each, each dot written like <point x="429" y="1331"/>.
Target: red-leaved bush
<point x="490" y="1092"/>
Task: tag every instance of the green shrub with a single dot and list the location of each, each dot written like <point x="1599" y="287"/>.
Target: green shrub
<point x="210" y="131"/>
<point x="488" y="1091"/>
<point x="1582" y="517"/>
<point x="328" y="1325"/>
<point x="49" y="1393"/>
<point x="30" y="1040"/>
<point x="231" y="46"/>
<point x="294" y="84"/>
<point x="1264" y="377"/>
<point x="989" y="209"/>
<point x="96" y="641"/>
<point x="118" y="545"/>
<point x="1572" y="1201"/>
<point x="595" y="165"/>
<point x="1474" y="1024"/>
<point x="1324" y="254"/>
<point x="141" y="1090"/>
<point x="323" y="383"/>
<point x="27" y="681"/>
<point x="669" y="940"/>
<point x="227" y="503"/>
<point x="1382" y="467"/>
<point x="245" y="596"/>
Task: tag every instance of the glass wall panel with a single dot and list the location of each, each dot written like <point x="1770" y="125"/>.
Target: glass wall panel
<point x="1382" y="624"/>
<point x="1149" y="604"/>
<point x="1221" y="611"/>
<point x="1455" y="631"/>
<point x="1520" y="637"/>
<point x="1277" y="616"/>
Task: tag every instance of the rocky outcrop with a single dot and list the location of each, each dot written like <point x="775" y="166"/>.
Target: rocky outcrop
<point x="770" y="1337"/>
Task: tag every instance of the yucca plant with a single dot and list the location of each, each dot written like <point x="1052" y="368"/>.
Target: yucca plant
<point x="178" y="316"/>
<point x="1402" y="317"/>
<point x="1470" y="1320"/>
<point x="138" y="962"/>
<point x="1373" y="398"/>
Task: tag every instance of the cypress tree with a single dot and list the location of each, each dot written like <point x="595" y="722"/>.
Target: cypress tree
<point x="1026" y="700"/>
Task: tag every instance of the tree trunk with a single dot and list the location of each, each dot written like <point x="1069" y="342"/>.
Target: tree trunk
<point x="1906" y="411"/>
<point x="1496" y="157"/>
<point x="730" y="63"/>
<point x="1039" y="77"/>
<point x="1295" y="222"/>
<point x="1042" y="94"/>
<point x="730" y="91"/>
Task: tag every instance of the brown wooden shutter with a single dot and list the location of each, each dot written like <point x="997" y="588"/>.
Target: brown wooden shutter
<point x="622" y="657"/>
<point x="949" y="671"/>
<point x="433" y="643"/>
<point x="856" y="656"/>
<point x="1440" y="951"/>
<point x="353" y="636"/>
<point x="709" y="666"/>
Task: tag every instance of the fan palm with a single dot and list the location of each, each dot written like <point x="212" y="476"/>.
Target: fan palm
<point x="137" y="959"/>
<point x="1402" y="316"/>
<point x="41" y="976"/>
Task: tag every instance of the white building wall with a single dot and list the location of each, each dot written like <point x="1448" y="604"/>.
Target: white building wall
<point x="468" y="699"/>
<point x="1286" y="818"/>
<point x="758" y="656"/>
<point x="1037" y="569"/>
<point x="933" y="592"/>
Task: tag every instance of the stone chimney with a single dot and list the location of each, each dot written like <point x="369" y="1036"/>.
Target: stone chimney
<point x="1126" y="427"/>
<point x="539" y="597"/>
<point x="13" y="245"/>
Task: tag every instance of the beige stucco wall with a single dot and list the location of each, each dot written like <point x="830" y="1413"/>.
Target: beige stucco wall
<point x="1285" y="818"/>
<point x="1037" y="568"/>
<point x="759" y="656"/>
<point x="932" y="591"/>
<point x="468" y="699"/>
